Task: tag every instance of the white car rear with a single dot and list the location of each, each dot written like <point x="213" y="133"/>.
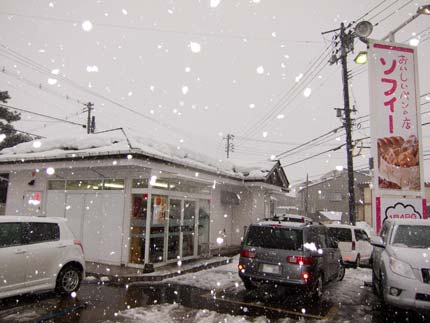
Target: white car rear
<point x="353" y="242"/>
<point x="38" y="253"/>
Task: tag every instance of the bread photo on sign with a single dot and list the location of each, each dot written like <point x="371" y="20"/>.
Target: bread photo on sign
<point x="398" y="161"/>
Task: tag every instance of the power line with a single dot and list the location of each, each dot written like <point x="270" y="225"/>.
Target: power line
<point x="166" y="31"/>
<point x="308" y="142"/>
<point x="318" y="154"/>
<point x="288" y="96"/>
<point x="42" y="69"/>
<point x="42" y="115"/>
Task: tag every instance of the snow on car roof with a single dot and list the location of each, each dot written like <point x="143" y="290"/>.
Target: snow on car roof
<point x="410" y="221"/>
<point x="116" y="143"/>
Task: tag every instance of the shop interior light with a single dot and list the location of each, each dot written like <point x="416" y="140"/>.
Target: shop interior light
<point x="160" y="184"/>
<point x="114" y="185"/>
<point x="361" y="58"/>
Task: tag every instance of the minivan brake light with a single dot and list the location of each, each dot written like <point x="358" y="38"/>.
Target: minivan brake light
<point x="300" y="260"/>
<point x="248" y="253"/>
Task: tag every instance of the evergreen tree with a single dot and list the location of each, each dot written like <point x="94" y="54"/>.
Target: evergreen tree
<point x="8" y="135"/>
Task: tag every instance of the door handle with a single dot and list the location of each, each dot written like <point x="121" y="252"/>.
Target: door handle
<point x="62" y="246"/>
<point x="19" y="251"/>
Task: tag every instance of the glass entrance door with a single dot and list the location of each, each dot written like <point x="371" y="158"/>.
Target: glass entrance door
<point x="157" y="232"/>
<point x="188" y="228"/>
<point x="173" y="239"/>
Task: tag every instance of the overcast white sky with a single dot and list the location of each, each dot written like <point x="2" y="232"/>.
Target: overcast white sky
<point x="191" y="72"/>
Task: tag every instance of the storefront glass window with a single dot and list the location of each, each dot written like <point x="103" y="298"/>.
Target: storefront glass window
<point x="84" y="185"/>
<point x="138" y="228"/>
<point x="113" y="184"/>
<point x="158" y="218"/>
<point x="204" y="218"/>
<point x="140" y="183"/>
<point x="57" y="185"/>
<point x="188" y="228"/>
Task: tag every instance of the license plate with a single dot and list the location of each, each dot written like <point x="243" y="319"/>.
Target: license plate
<point x="271" y="269"/>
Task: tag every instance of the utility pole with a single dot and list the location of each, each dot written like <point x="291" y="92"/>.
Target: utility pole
<point x="345" y="46"/>
<point x="229" y="144"/>
<point x="307" y="195"/>
<point x="89" y="106"/>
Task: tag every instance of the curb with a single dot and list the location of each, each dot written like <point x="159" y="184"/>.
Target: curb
<point x="119" y="280"/>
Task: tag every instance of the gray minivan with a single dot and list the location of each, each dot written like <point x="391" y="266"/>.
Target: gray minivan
<point x="299" y="256"/>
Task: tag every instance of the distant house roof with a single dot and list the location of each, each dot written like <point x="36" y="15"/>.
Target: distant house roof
<point x="104" y="145"/>
<point x="329" y="177"/>
<point x="332" y="215"/>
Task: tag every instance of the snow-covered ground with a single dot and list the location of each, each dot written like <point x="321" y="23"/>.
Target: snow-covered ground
<point x="348" y="293"/>
<point x="170" y="313"/>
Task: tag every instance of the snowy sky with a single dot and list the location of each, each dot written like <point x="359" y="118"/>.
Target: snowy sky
<point x="191" y="72"/>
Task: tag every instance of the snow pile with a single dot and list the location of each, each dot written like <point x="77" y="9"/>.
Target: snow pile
<point x="221" y="277"/>
<point x="106" y="143"/>
<point x="170" y="313"/>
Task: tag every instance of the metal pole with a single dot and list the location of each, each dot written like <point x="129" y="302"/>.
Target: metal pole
<point x="307" y="195"/>
<point x="228" y="145"/>
<point x="89" y="106"/>
<point x="390" y="36"/>
<point x="344" y="38"/>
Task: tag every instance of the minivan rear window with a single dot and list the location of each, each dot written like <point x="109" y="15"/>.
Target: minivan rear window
<point x="274" y="238"/>
<point x="340" y="234"/>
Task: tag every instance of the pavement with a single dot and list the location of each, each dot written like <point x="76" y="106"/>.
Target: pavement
<point x="121" y="275"/>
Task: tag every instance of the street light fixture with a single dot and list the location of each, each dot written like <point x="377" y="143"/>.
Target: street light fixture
<point x="423" y="10"/>
<point x="361" y="58"/>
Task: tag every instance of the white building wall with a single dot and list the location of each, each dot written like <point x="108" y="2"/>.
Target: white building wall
<point x="19" y="188"/>
<point x="220" y="226"/>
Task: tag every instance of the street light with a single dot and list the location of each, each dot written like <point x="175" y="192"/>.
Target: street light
<point x="423" y="10"/>
<point x="361" y="58"/>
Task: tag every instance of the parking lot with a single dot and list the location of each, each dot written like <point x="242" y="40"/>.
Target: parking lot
<point x="350" y="300"/>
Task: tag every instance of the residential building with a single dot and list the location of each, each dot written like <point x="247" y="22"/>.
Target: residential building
<point x="330" y="194"/>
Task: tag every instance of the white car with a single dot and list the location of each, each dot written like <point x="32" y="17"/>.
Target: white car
<point x="401" y="266"/>
<point x="37" y="254"/>
<point x="353" y="242"/>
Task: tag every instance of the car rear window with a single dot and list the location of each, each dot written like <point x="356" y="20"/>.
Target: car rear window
<point x="275" y="238"/>
<point x="340" y="234"/>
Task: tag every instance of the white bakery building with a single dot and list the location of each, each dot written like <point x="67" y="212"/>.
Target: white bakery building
<point x="132" y="201"/>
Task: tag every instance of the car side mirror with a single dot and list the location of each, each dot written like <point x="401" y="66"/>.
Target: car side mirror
<point x="377" y="242"/>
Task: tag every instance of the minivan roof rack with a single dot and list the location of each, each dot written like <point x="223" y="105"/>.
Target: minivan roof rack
<point x="289" y="218"/>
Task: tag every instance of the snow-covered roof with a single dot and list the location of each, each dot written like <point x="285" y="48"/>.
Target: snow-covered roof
<point x="332" y="215"/>
<point x="331" y="176"/>
<point x="107" y="144"/>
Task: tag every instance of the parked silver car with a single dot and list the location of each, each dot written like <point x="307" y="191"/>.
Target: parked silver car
<point x="401" y="263"/>
<point x="297" y="255"/>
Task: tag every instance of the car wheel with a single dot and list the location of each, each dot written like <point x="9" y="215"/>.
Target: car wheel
<point x="68" y="280"/>
<point x="381" y="289"/>
<point x="341" y="270"/>
<point x="248" y="285"/>
<point x="318" y="292"/>
<point x="357" y="262"/>
<point x="375" y="284"/>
